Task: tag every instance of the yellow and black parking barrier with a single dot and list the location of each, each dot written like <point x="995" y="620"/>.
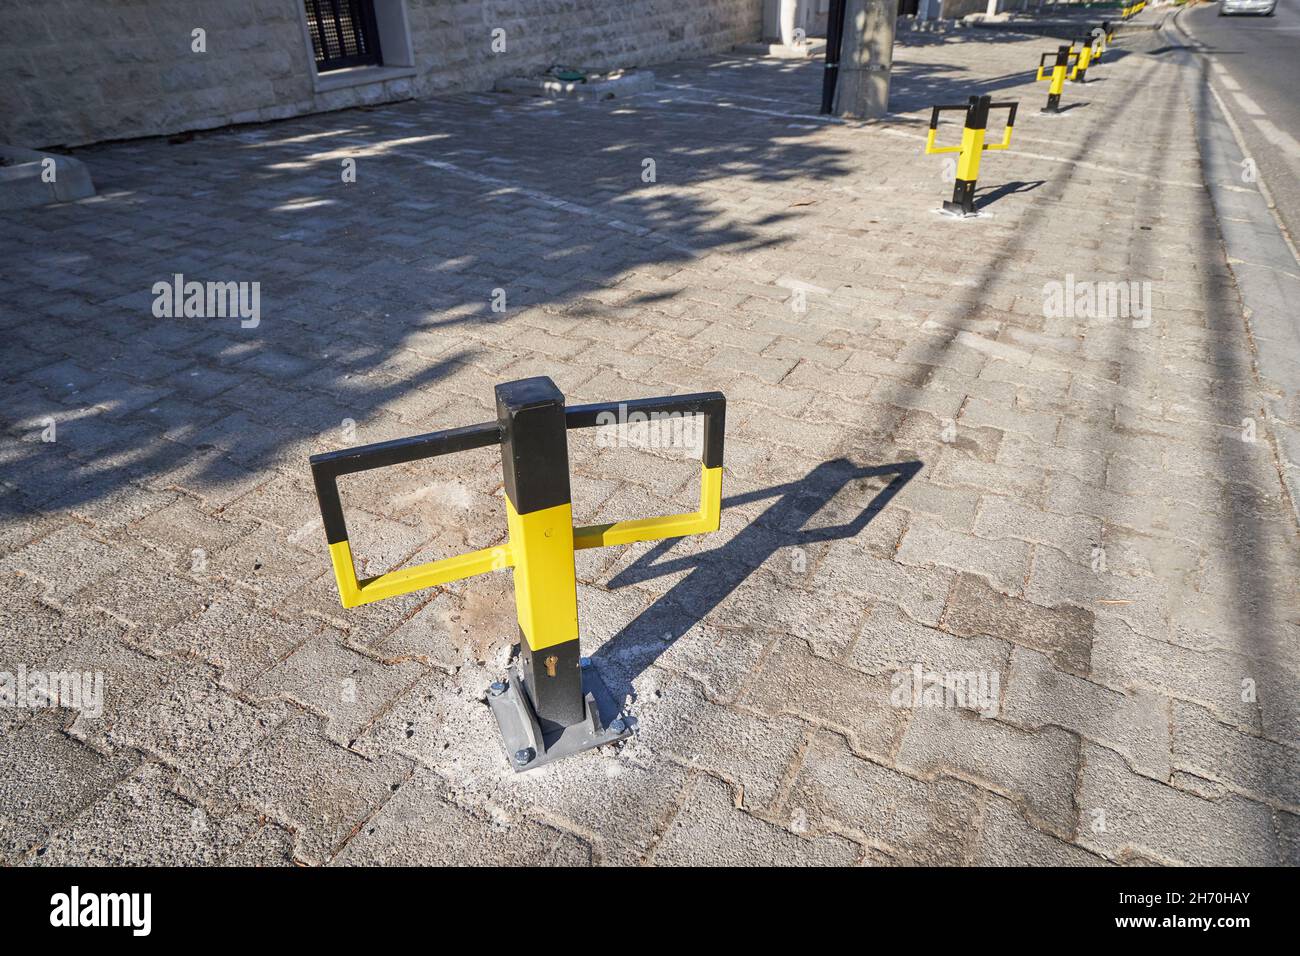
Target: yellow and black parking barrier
<point x="1105" y="35"/>
<point x="1057" y="77"/>
<point x="552" y="703"/>
<point x="971" y="149"/>
<point x="1080" y="72"/>
<point x="1097" y="42"/>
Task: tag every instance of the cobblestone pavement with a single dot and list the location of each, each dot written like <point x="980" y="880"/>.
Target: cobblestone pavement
<point x="924" y="470"/>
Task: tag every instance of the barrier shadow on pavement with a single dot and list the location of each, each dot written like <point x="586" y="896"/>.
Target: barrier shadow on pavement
<point x="995" y="193"/>
<point x="712" y="575"/>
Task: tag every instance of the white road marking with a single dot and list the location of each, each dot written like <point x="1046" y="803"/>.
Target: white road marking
<point x="1247" y="104"/>
<point x="1279" y="138"/>
<point x="814" y="117"/>
<point x="1263" y="186"/>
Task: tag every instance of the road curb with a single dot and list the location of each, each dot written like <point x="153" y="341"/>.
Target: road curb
<point x="1266" y="269"/>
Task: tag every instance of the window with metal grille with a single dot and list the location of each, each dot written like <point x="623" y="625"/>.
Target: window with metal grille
<point x="343" y="33"/>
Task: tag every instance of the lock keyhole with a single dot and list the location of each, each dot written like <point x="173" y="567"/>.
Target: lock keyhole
<point x="550" y="665"/>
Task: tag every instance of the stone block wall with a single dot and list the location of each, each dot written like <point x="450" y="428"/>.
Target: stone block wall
<point x="82" y="71"/>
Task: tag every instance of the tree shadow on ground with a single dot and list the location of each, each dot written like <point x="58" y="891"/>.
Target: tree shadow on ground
<point x="370" y="291"/>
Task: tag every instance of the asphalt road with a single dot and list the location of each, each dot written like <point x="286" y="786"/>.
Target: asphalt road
<point x="1255" y="67"/>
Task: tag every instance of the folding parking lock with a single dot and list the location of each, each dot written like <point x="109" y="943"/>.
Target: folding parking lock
<point x="552" y="702"/>
<point x="1103" y="37"/>
<point x="971" y="148"/>
<point x="1086" y="55"/>
<point x="1057" y="77"/>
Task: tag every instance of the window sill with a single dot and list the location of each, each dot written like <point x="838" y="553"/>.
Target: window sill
<point x="359" y="76"/>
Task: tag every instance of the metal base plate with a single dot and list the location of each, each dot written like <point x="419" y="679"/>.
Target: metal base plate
<point x="953" y="209"/>
<point x="521" y="734"/>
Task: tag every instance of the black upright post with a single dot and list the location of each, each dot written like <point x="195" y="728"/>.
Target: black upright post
<point x="535" y="462"/>
<point x="834" y="40"/>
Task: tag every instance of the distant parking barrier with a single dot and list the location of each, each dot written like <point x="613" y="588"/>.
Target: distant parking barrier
<point x="1056" y="77"/>
<point x="1080" y="72"/>
<point x="971" y="149"/>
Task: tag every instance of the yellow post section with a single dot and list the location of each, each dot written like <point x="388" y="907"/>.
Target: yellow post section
<point x="670" y="526"/>
<point x="1085" y="56"/>
<point x="546" y="588"/>
<point x="1058" y="81"/>
<point x="353" y="593"/>
<point x="972" y="144"/>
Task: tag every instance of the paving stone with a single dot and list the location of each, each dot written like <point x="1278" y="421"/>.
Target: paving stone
<point x="420" y="827"/>
<point x="1005" y="839"/>
<point x="710" y="829"/>
<point x="366" y="625"/>
<point x="957" y="469"/>
<point x="1222" y="682"/>
<point x="578" y="798"/>
<point x="348" y="689"/>
<point x="110" y="509"/>
<point x="1136" y="725"/>
<point x="1143" y="602"/>
<point x="1064" y="633"/>
<point x="195" y="727"/>
<point x="265" y="565"/>
<point x="750" y="751"/>
<point x="1036" y="425"/>
<point x="1288" y="828"/>
<point x="438" y="633"/>
<point x="1037" y="770"/>
<point x="208" y="476"/>
<point x="892" y="643"/>
<point x="66" y="561"/>
<point x="317" y="789"/>
<point x="236" y="636"/>
<point x="128" y="676"/>
<point x="1004" y="563"/>
<point x="1075" y="535"/>
<point x="920" y="591"/>
<point x="182" y="528"/>
<point x="33" y="631"/>
<point x="143" y="822"/>
<point x="49" y="778"/>
<point x="792" y="680"/>
<point x="623" y="642"/>
<point x="916" y="822"/>
<point x="148" y="596"/>
<point x="1252" y="766"/>
<point x="269" y="845"/>
<point x="1145" y="817"/>
<point x="774" y="605"/>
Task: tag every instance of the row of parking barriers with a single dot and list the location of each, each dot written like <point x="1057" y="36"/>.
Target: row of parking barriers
<point x="1067" y="63"/>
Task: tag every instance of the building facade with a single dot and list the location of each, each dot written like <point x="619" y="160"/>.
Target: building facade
<point x="83" y="71"/>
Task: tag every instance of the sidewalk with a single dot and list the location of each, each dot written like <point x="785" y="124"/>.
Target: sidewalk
<point x="1087" y="525"/>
